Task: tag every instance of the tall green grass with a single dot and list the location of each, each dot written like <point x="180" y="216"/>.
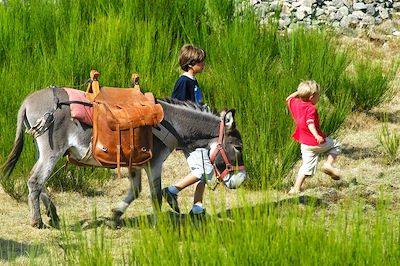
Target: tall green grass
<point x="248" y="67"/>
<point x="266" y="234"/>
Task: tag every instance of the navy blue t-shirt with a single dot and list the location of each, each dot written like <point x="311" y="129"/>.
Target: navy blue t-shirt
<point x="187" y="89"/>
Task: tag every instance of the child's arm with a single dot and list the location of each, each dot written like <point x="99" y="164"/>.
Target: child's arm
<point x="313" y="131"/>
<point x="293" y="95"/>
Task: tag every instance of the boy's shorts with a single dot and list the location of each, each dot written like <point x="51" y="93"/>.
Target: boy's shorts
<point x="310" y="154"/>
<point x="199" y="164"/>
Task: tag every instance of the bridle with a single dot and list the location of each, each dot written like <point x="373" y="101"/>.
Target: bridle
<point x="228" y="167"/>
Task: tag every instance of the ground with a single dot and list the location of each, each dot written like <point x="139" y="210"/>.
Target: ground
<point x="364" y="168"/>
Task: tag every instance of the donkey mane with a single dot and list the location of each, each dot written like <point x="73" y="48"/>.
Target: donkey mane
<point x="190" y="105"/>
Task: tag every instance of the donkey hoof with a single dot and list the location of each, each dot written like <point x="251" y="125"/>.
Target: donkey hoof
<point x="116" y="222"/>
<point x="55" y="223"/>
<point x="116" y="214"/>
<point x="37" y="224"/>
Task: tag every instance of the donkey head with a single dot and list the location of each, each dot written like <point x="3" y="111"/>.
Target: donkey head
<point x="226" y="154"/>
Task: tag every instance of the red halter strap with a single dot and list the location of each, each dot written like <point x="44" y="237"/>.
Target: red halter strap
<point x="228" y="167"/>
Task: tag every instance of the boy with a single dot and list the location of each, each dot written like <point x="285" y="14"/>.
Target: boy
<point x="309" y="134"/>
<point x="191" y="61"/>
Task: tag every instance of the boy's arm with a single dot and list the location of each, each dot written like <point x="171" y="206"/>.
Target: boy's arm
<point x="313" y="131"/>
<point x="293" y="95"/>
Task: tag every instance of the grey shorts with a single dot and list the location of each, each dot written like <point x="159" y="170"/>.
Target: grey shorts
<point x="199" y="164"/>
<point x="310" y="155"/>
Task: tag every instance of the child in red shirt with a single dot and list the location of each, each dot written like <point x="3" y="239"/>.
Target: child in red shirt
<point x="309" y="134"/>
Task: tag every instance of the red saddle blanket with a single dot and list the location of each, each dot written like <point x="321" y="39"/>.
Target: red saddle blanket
<point x="80" y="112"/>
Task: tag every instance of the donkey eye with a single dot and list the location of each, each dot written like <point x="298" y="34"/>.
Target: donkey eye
<point x="237" y="148"/>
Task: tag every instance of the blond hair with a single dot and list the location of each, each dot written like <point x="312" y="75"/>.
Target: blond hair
<point x="190" y="55"/>
<point x="308" y="88"/>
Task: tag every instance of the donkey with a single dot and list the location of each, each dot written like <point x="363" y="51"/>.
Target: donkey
<point x="191" y="126"/>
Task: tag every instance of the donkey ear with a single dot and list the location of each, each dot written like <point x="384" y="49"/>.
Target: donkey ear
<point x="229" y="119"/>
<point x="222" y="113"/>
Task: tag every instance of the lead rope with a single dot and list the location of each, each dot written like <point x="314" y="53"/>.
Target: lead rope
<point x="214" y="182"/>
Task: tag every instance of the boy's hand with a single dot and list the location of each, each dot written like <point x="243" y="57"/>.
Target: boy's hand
<point x="319" y="139"/>
<point x="293" y="95"/>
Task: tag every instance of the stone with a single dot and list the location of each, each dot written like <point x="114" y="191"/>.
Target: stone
<point x="367" y="21"/>
<point x="303" y="12"/>
<point x="337" y="3"/>
<point x="343" y="11"/>
<point x="383" y="13"/>
<point x="360" y="6"/>
<point x="371" y="10"/>
<point x="359" y="14"/>
<point x="307" y="3"/>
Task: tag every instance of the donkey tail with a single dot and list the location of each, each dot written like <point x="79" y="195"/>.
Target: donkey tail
<point x="15" y="153"/>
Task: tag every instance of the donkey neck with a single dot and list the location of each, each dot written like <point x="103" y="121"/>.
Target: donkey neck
<point x="196" y="128"/>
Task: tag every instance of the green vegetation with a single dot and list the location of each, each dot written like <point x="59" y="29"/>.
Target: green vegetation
<point x="285" y="234"/>
<point x="249" y="68"/>
<point x="390" y="141"/>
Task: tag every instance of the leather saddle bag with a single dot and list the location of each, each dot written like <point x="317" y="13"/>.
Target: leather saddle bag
<point x="122" y="126"/>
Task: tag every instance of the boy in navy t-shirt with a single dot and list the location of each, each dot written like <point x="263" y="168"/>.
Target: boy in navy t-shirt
<point x="191" y="61"/>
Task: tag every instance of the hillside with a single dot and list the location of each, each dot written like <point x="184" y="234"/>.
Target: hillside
<point x="365" y="171"/>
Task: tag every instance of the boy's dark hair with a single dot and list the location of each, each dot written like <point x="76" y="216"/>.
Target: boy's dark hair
<point x="190" y="55"/>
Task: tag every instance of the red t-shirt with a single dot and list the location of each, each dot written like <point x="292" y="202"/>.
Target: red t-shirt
<point x="304" y="113"/>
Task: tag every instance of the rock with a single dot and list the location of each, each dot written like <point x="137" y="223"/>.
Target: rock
<point x="371" y="10"/>
<point x="337" y="3"/>
<point x="383" y="13"/>
<point x="343" y="11"/>
<point x="360" y="6"/>
<point x="303" y="12"/>
<point x="340" y="14"/>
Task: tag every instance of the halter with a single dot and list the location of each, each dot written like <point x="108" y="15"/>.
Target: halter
<point x="228" y="167"/>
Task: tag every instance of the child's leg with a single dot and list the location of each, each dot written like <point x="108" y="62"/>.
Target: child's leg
<point x="330" y="160"/>
<point x="333" y="148"/>
<point x="198" y="199"/>
<point x="198" y="194"/>
<point x="329" y="169"/>
<point x="308" y="168"/>
<point x="200" y="166"/>
<point x="297" y="185"/>
<point x="188" y="180"/>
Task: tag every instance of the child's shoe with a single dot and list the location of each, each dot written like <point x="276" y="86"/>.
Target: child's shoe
<point x="198" y="216"/>
<point x="171" y="198"/>
<point x="333" y="172"/>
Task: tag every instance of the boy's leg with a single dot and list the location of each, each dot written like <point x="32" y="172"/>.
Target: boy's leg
<point x="198" y="200"/>
<point x="308" y="168"/>
<point x="188" y="180"/>
<point x="171" y="193"/>
<point x="200" y="166"/>
<point x="198" y="194"/>
<point x="333" y="148"/>
<point x="297" y="185"/>
<point x="328" y="168"/>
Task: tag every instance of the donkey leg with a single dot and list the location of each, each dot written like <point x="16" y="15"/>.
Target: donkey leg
<point x="51" y="210"/>
<point x="135" y="178"/>
<point x="154" y="179"/>
<point x="40" y="172"/>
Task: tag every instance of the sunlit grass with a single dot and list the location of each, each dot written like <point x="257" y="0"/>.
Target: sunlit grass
<point x="290" y="232"/>
<point x="248" y="67"/>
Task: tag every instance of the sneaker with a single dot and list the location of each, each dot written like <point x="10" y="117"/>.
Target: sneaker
<point x="171" y="198"/>
<point x="332" y="172"/>
<point x="198" y="216"/>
